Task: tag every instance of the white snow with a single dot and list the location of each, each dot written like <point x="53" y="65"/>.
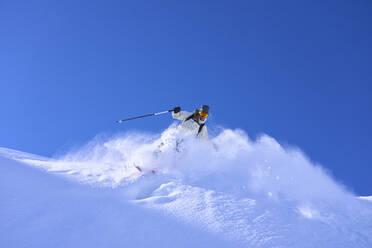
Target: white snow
<point x="368" y="198"/>
<point x="229" y="192"/>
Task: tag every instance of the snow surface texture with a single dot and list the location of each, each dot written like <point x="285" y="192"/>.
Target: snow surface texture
<point x="229" y="192"/>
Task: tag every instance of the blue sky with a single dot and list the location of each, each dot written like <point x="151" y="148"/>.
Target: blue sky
<point x="298" y="71"/>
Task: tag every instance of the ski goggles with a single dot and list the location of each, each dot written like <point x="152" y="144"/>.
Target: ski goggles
<point x="205" y="115"/>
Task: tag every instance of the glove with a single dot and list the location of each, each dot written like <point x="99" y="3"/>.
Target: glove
<point x="176" y="110"/>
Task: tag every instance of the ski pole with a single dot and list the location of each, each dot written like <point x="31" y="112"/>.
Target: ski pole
<point x="143" y="116"/>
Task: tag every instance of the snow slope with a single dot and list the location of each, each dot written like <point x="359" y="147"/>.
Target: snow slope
<point x="41" y="210"/>
<point x="229" y="192"/>
<point x="368" y="198"/>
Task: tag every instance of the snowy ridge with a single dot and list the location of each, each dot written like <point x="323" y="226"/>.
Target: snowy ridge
<point x="368" y="198"/>
<point x="249" y="193"/>
<point x="18" y="155"/>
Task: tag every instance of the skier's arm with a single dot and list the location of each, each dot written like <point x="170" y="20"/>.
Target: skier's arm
<point x="182" y="115"/>
<point x="204" y="133"/>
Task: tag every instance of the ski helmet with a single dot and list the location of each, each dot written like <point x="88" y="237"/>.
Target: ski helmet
<point x="203" y="113"/>
<point x="204" y="109"/>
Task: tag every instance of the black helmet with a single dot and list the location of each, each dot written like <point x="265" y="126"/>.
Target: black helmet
<point x="205" y="109"/>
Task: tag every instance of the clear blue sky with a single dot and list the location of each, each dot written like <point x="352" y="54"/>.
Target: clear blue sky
<point x="299" y="71"/>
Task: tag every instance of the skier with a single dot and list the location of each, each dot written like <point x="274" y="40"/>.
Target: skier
<point x="193" y="123"/>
